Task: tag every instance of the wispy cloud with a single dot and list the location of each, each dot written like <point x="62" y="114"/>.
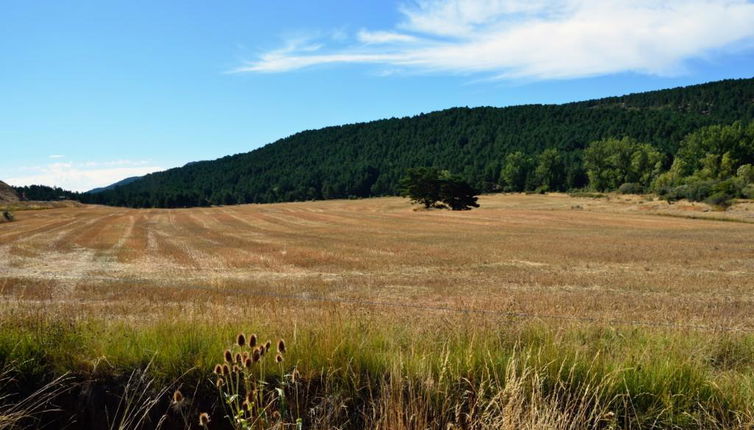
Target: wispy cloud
<point x="57" y="156"/>
<point x="539" y="39"/>
<point x="384" y="37"/>
<point x="81" y="176"/>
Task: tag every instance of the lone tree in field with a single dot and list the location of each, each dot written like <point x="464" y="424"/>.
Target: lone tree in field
<point x="421" y="186"/>
<point x="432" y="187"/>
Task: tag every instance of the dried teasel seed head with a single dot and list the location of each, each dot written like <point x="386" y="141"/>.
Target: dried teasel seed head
<point x="268" y="345"/>
<point x="255" y="356"/>
<point x="220" y="382"/>
<point x="262" y="351"/>
<point x="218" y="369"/>
<point x="278" y="358"/>
<point x="245" y="355"/>
<point x="276" y="416"/>
<point x="204" y="419"/>
<point x="236" y="369"/>
<point x="226" y="370"/>
<point x="228" y="356"/>
<point x="253" y="340"/>
<point x="281" y="346"/>
<point x="241" y="339"/>
<point x="248" y="363"/>
<point x="239" y="359"/>
<point x="177" y="397"/>
<point x="250" y="397"/>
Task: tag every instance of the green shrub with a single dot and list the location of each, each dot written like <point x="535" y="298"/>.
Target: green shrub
<point x="708" y="191"/>
<point x="587" y="194"/>
<point x="631" y="188"/>
<point x="699" y="191"/>
<point x="672" y="194"/>
<point x="745" y="173"/>
<point x="719" y="199"/>
<point x="748" y="192"/>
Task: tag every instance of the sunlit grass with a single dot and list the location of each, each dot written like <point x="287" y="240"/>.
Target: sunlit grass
<point x="643" y="376"/>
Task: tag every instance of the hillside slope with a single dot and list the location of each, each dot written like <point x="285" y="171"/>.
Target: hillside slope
<point x="116" y="184"/>
<point x="367" y="159"/>
<point x="7" y="193"/>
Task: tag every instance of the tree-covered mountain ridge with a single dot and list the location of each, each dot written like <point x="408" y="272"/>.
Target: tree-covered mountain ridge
<point x="368" y="159"/>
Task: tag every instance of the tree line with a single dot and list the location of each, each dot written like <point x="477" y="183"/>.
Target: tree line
<point x="46" y="193"/>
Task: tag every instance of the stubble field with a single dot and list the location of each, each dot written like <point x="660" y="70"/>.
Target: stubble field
<point x="614" y="312"/>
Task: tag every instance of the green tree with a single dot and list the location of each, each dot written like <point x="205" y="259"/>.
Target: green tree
<point x="611" y="162"/>
<point x="421" y="185"/>
<point x="432" y="187"/>
<point x="550" y="171"/>
<point x="671" y="178"/>
<point x="456" y="193"/>
<point x="715" y="152"/>
<point x="515" y="171"/>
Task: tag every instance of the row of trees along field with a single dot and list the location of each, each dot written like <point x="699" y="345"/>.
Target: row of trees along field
<point x="645" y="142"/>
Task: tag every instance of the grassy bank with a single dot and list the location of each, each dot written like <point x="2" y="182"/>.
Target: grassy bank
<point x="402" y="371"/>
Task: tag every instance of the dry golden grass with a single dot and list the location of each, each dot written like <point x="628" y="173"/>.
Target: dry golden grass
<point x="518" y="254"/>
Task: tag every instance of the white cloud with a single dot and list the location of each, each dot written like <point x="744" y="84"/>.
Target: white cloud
<point x="381" y="37"/>
<point x="276" y="62"/>
<point x="81" y="176"/>
<point x="541" y="39"/>
<point x="57" y="156"/>
<point x="464" y="17"/>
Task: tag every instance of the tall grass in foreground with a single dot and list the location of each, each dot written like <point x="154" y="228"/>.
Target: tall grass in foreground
<point x="249" y="401"/>
<point x="392" y="372"/>
<point x="24" y="410"/>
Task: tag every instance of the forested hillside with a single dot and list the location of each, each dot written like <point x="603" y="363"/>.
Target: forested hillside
<point x="514" y="148"/>
<point x="46" y="193"/>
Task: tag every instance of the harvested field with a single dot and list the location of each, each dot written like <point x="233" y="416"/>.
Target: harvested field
<point x="517" y="254"/>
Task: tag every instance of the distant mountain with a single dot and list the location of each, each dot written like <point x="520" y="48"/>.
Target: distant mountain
<point x="7" y="193"/>
<point x="117" y="184"/>
<point x="368" y="159"/>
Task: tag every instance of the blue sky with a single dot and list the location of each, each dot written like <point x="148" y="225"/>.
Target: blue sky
<point x="95" y="91"/>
